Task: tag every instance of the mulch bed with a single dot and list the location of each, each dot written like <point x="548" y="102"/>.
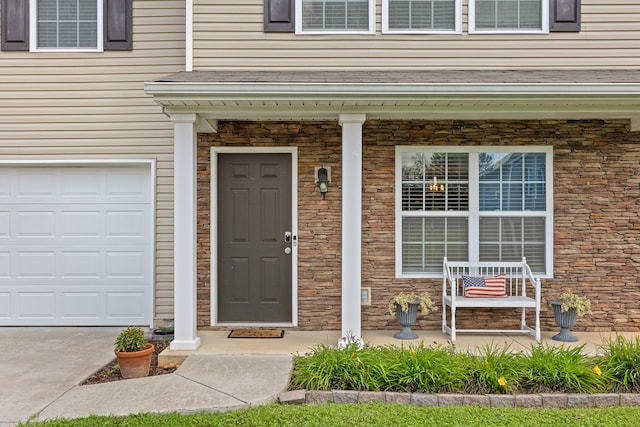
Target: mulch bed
<point x="111" y="372"/>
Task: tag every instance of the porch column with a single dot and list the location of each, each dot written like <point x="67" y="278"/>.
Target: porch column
<point x="184" y="232"/>
<point x="351" y="221"/>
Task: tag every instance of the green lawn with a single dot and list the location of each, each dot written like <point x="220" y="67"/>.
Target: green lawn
<point x="373" y="414"/>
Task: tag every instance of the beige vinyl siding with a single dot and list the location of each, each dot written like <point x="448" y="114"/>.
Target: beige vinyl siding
<point x="68" y="106"/>
<point x="228" y="35"/>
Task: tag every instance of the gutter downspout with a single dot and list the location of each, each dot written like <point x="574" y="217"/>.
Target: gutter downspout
<point x="189" y="36"/>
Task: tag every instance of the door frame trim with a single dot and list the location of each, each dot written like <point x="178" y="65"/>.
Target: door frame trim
<point x="214" y="231"/>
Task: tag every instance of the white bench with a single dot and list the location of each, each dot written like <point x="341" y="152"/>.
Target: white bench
<point x="518" y="279"/>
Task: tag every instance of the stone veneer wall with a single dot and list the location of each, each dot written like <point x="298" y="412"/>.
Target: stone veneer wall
<point x="596" y="205"/>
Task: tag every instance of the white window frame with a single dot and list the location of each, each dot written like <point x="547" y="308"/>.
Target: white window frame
<point x="474" y="191"/>
<point x="544" y="4"/>
<point x="33" y="31"/>
<point x="457" y="24"/>
<point x="370" y="30"/>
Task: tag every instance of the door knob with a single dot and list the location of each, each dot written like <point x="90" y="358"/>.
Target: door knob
<point x="287" y="250"/>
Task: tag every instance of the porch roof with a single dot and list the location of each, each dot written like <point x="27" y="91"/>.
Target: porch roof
<point x="417" y="94"/>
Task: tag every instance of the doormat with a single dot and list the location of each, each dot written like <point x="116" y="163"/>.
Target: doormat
<point x="256" y="333"/>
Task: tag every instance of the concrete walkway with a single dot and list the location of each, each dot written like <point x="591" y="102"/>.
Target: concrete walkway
<point x="42" y="367"/>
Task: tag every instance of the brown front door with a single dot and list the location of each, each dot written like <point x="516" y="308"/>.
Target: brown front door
<point x="254" y="238"/>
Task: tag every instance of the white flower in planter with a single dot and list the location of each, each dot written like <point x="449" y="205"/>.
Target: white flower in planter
<point x="350" y="340"/>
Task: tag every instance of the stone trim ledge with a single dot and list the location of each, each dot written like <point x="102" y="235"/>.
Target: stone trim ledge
<point x="542" y="400"/>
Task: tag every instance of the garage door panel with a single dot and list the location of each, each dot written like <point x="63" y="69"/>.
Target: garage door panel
<point x="36" y="264"/>
<point x="112" y="264"/>
<point x="125" y="304"/>
<point x="77" y="223"/>
<point x="76" y="245"/>
<point x="31" y="224"/>
<point x="34" y="182"/>
<point x="81" y="265"/>
<point x="129" y="223"/>
<point x="120" y="223"/>
<point x="5" y="265"/>
<point x="80" y="183"/>
<point x="82" y="305"/>
<point x="125" y="264"/>
<point x="5" y="224"/>
<point x="5" y="305"/>
<point x="36" y="305"/>
<point x="126" y="184"/>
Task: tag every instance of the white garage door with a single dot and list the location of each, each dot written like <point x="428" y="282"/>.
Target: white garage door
<point x="76" y="245"/>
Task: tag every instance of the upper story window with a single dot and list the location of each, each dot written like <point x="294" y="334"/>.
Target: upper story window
<point x="421" y="16"/>
<point x="67" y="24"/>
<point x="473" y="204"/>
<point x="508" y="16"/>
<point x="335" y="16"/>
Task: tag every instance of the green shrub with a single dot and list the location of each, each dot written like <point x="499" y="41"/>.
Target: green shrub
<point x="621" y="362"/>
<point x="494" y="370"/>
<point x="433" y="368"/>
<point x="130" y="339"/>
<point x="326" y="368"/>
<point x="560" y="369"/>
<point x="491" y="370"/>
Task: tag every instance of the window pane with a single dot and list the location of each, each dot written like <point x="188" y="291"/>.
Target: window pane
<point x="422" y="15"/>
<point x="67" y="23"/>
<point x="68" y="34"/>
<point x="68" y="10"/>
<point x="335" y="15"/>
<point x="508" y="14"/>
<point x="511" y="238"/>
<point x="47" y="9"/>
<point x="435" y="181"/>
<point x="512" y="181"/>
<point x="427" y="240"/>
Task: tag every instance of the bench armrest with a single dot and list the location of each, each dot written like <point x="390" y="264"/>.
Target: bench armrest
<point x="531" y="279"/>
<point x="448" y="281"/>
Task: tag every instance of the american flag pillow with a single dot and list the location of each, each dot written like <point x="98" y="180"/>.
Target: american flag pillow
<point x="479" y="287"/>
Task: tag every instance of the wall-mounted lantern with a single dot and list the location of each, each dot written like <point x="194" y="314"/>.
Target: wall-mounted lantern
<point x="323" y="179"/>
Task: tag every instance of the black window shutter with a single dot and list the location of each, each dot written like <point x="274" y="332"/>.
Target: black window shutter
<point x="14" y="24"/>
<point x="117" y="25"/>
<point x="279" y="16"/>
<point x="564" y="15"/>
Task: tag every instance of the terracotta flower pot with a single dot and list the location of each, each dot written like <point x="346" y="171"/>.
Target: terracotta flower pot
<point x="135" y="364"/>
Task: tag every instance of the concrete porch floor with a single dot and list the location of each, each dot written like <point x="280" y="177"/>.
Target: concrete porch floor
<point x="300" y="342"/>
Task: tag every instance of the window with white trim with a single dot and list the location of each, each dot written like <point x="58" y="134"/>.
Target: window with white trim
<point x="67" y="25"/>
<point x="421" y="16"/>
<point x="335" y="16"/>
<point x="473" y="204"/>
<point x="508" y="16"/>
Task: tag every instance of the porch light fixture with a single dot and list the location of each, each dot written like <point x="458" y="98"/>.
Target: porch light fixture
<point x="323" y="181"/>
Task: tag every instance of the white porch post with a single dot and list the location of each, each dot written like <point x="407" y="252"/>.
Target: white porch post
<point x="351" y="221"/>
<point x="184" y="232"/>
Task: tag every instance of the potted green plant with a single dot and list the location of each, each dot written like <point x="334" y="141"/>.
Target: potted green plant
<point x="404" y="306"/>
<point x="566" y="310"/>
<point x="133" y="353"/>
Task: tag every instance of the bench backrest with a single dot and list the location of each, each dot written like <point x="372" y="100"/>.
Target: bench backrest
<point x="516" y="274"/>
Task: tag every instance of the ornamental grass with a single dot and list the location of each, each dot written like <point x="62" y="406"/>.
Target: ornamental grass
<point x="441" y="368"/>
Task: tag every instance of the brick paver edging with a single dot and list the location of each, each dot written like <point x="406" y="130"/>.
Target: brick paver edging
<point x="542" y="400"/>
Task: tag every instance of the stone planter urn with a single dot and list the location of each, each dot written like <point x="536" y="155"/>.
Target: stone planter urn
<point x="406" y="319"/>
<point x="566" y="320"/>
